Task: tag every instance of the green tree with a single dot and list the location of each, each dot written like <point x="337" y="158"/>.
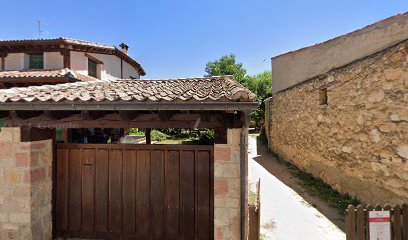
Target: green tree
<point x="261" y="85"/>
<point x="227" y="65"/>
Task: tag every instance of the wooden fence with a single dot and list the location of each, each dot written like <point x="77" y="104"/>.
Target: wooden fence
<point x="255" y="216"/>
<point x="357" y="227"/>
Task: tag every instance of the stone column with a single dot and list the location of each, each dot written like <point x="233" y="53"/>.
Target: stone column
<point x="227" y="187"/>
<point x="25" y="187"/>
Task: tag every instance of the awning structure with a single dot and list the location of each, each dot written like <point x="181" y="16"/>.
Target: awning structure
<point x="210" y="102"/>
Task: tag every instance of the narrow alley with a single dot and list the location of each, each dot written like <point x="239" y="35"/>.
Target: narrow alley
<point x="285" y="215"/>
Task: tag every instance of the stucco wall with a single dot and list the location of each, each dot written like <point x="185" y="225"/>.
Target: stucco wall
<point x="298" y="66"/>
<point x="358" y="143"/>
<point x="25" y="187"/>
<point x="227" y="187"/>
<point x="111" y="68"/>
<point x="14" y="61"/>
<point x="53" y="60"/>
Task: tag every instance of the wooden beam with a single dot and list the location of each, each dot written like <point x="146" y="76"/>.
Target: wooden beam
<point x="24" y="115"/>
<point x="4" y="114"/>
<point x="92" y="115"/>
<point x="128" y="115"/>
<point x="66" y="53"/>
<point x="113" y="120"/>
<point x="221" y="136"/>
<point x="148" y="136"/>
<point x="3" y="63"/>
<point x="166" y="115"/>
<point x="57" y="115"/>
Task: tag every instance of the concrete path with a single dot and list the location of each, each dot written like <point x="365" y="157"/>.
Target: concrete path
<point x="285" y="215"/>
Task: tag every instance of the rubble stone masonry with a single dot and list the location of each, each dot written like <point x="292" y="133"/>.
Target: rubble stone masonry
<point x="227" y="187"/>
<point x="358" y="141"/>
<point x="25" y="187"/>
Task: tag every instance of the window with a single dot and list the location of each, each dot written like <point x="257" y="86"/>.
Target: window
<point x="323" y="96"/>
<point x="92" y="68"/>
<point x="36" y="61"/>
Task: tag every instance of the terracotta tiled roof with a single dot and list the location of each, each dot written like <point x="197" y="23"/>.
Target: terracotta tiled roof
<point x="207" y="89"/>
<point x="78" y="45"/>
<point x="42" y="74"/>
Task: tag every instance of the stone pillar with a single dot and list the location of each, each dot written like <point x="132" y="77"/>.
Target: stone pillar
<point x="227" y="190"/>
<point x="25" y="187"/>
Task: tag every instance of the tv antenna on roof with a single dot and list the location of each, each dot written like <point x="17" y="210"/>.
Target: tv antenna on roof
<point x="40" y="31"/>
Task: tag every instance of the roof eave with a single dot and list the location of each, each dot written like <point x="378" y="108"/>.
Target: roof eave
<point x="124" y="106"/>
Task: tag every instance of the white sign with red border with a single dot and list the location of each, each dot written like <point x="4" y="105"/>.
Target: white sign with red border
<point x="379" y="225"/>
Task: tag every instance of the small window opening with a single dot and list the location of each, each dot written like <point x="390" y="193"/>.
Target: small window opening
<point x="92" y="68"/>
<point x="323" y="96"/>
<point x="36" y="61"/>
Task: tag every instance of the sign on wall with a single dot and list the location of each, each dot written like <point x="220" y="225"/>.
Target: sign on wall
<point x="379" y="225"/>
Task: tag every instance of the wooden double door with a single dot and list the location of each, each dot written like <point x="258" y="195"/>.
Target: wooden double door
<point x="121" y="191"/>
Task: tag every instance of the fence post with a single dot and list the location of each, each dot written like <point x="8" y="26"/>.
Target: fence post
<point x="350" y="223"/>
<point x="397" y="226"/>
<point x="360" y="223"/>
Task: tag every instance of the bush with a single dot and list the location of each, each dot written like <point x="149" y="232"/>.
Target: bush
<point x="159" y="136"/>
<point x="135" y="132"/>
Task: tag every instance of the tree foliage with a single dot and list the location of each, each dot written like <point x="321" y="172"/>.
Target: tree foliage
<point x="226" y="65"/>
<point x="260" y="84"/>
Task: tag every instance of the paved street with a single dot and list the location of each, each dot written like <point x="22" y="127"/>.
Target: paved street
<point x="285" y="215"/>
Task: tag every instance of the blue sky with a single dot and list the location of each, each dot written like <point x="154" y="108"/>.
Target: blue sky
<point x="176" y="38"/>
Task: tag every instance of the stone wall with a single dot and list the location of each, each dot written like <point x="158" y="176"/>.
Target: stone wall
<point x="25" y="187"/>
<point x="358" y="142"/>
<point x="227" y="187"/>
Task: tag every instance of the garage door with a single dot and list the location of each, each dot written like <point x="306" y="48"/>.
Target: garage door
<point x="119" y="191"/>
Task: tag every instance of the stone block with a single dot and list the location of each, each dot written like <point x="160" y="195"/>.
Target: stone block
<point x="9" y="135"/>
<point x="232" y="203"/>
<point x="221" y="217"/>
<point x="19" y="218"/>
<point x="234" y="136"/>
<point x="6" y="150"/>
<point x="13" y="176"/>
<point x="218" y="233"/>
<point x="224" y="170"/>
<point x="4" y="217"/>
<point x="35" y="175"/>
<point x="222" y="153"/>
<point x="221" y="187"/>
<point x="22" y="159"/>
<point x="403" y="151"/>
<point x="8" y="226"/>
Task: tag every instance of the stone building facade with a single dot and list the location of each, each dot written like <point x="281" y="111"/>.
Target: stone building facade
<point x="358" y="141"/>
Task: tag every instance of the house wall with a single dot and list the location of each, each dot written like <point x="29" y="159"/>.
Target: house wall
<point x="295" y="67"/>
<point x="358" y="143"/>
<point x="227" y="187"/>
<point x="14" y="61"/>
<point x="53" y="60"/>
<point x="25" y="187"/>
<point x="111" y="68"/>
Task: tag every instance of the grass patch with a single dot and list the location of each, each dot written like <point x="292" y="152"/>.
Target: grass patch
<point x="316" y="187"/>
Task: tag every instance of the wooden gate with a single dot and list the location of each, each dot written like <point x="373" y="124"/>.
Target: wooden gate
<point x="121" y="191"/>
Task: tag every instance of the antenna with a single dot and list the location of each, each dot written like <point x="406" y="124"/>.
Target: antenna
<point x="40" y="32"/>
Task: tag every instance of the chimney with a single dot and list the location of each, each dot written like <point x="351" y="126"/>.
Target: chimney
<point x="124" y="48"/>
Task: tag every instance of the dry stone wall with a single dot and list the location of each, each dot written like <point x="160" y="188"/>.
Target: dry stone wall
<point x="358" y="142"/>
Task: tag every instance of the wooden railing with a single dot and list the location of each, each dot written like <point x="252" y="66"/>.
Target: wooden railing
<point x="357" y="223"/>
<point x="255" y="215"/>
